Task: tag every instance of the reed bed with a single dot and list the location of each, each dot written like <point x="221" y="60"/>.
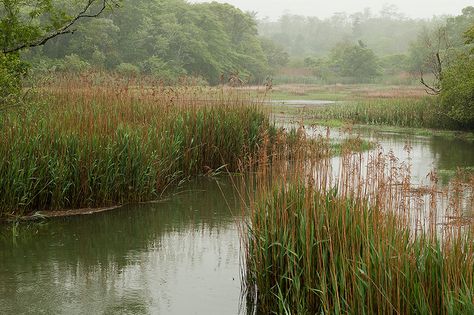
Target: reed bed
<point x="359" y="239"/>
<point x="89" y="142"/>
<point x="403" y="112"/>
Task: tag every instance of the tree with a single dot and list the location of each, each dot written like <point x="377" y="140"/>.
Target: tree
<point x="438" y="47"/>
<point x="470" y="36"/>
<point x="457" y="93"/>
<point x="355" y="61"/>
<point x="30" y="23"/>
<point x="12" y="70"/>
<point x="276" y="55"/>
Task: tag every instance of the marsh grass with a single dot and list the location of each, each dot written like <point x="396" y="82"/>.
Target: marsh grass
<point x="84" y="143"/>
<point x="402" y="112"/>
<point x="357" y="240"/>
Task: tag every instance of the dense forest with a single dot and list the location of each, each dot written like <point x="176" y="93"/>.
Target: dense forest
<point x="217" y="43"/>
<point x="167" y="39"/>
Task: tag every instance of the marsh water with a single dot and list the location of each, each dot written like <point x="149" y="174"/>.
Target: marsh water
<point x="178" y="256"/>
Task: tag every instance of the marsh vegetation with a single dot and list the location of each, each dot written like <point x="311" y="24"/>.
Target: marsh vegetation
<point x="341" y="161"/>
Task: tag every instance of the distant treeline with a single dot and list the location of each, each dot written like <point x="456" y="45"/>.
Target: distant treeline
<point x="363" y="46"/>
<point x="213" y="42"/>
<point x="167" y="39"/>
<point x="386" y="33"/>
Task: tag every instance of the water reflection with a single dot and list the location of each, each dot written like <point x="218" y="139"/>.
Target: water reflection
<point x="176" y="257"/>
<point x="423" y="153"/>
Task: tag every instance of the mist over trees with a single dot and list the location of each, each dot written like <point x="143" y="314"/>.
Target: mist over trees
<point x="387" y="32"/>
<point x="167" y="39"/>
<point x="170" y="39"/>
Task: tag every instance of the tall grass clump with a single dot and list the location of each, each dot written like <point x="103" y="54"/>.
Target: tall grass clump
<point x="402" y="112"/>
<point x="89" y="144"/>
<point x="352" y="241"/>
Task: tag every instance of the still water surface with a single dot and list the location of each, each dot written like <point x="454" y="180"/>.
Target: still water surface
<point x="180" y="256"/>
<point x="176" y="257"/>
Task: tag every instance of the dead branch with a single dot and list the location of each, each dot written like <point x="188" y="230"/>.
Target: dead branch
<point x="431" y="90"/>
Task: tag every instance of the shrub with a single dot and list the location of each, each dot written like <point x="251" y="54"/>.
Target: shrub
<point x="457" y="95"/>
<point x="74" y="63"/>
<point x="163" y="70"/>
<point x="12" y="70"/>
<point x="127" y="69"/>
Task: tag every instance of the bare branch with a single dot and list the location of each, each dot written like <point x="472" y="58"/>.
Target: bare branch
<point x="66" y="29"/>
<point x="432" y="90"/>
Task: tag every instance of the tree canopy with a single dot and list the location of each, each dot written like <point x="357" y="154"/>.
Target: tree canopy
<point x="168" y="39"/>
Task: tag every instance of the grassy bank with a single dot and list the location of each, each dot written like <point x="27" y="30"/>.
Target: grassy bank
<point x="402" y="112"/>
<point x="370" y="104"/>
<point x="83" y="144"/>
<point x="369" y="243"/>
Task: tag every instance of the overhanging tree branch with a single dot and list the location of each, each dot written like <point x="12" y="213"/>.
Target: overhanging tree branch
<point x="65" y="29"/>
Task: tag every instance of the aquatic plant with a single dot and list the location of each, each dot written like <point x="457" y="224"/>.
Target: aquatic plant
<point x="357" y="239"/>
<point x="85" y="143"/>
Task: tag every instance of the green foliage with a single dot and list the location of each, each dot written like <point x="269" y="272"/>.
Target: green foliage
<point x="446" y="38"/>
<point x="171" y="38"/>
<point x="161" y="69"/>
<point x="127" y="69"/>
<point x="387" y="32"/>
<point x="275" y="53"/>
<point x="470" y="35"/>
<point x="457" y="94"/>
<point x="393" y="64"/>
<point x="12" y="70"/>
<point x="74" y="63"/>
<point x="458" y="25"/>
<point x="346" y="61"/>
<point x="355" y="61"/>
<point x="26" y="23"/>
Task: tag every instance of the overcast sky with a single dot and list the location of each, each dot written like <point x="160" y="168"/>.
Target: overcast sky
<point x="324" y="8"/>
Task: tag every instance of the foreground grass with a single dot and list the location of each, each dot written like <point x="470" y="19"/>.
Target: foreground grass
<point x="368" y="243"/>
<point x="314" y="253"/>
<point x="83" y="145"/>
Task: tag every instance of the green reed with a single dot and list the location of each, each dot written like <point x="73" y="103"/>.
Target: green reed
<point x="82" y="145"/>
<point x="402" y="112"/>
<point x="316" y="246"/>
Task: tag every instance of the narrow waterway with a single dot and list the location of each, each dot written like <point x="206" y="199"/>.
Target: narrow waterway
<point x="178" y="256"/>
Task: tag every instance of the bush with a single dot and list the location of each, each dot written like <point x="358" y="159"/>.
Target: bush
<point x="128" y="69"/>
<point x="74" y="63"/>
<point x="457" y="95"/>
<point x="12" y="70"/>
<point x="163" y="70"/>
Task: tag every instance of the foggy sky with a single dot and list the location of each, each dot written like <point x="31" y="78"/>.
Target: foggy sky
<point x="325" y="8"/>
